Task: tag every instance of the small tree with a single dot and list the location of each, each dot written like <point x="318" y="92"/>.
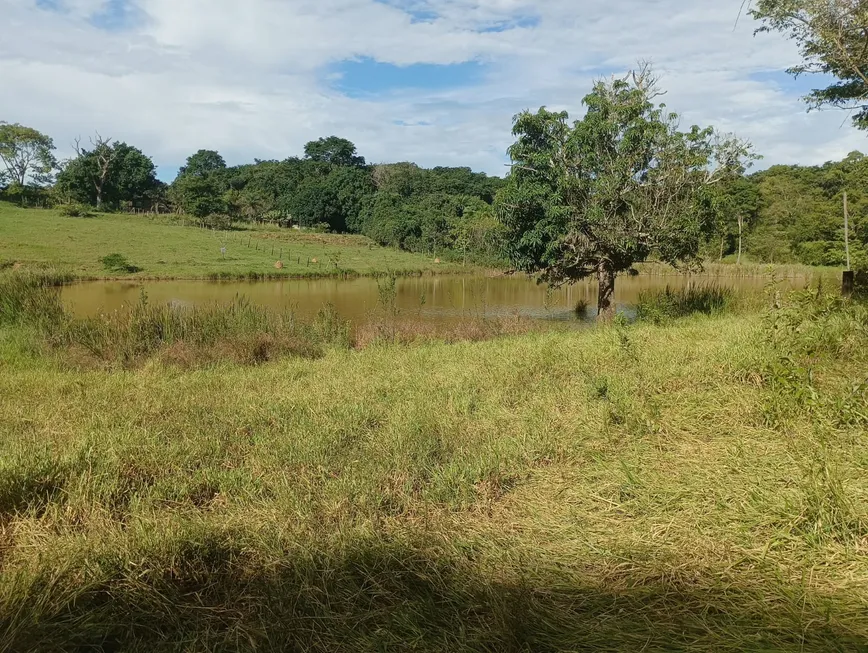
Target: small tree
<point x="609" y="191"/>
<point x="832" y="36"/>
<point x="26" y="153"/>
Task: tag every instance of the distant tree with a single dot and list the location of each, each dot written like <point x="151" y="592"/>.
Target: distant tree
<point x="609" y="191"/>
<point x="26" y="153"/>
<point x="203" y="163"/>
<point x="732" y="207"/>
<point x="334" y="150"/>
<point x="832" y="36"/>
<point x="109" y="175"/>
<point x="200" y="189"/>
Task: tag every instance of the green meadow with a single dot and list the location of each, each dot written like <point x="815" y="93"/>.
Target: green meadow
<point x="160" y="249"/>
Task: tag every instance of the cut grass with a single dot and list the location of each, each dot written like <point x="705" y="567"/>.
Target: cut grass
<point x="618" y="489"/>
<point x="36" y="238"/>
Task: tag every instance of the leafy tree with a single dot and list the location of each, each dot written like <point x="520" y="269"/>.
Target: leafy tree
<point x="201" y="185"/>
<point x="609" y="191"/>
<point x="26" y="153"/>
<point x="334" y="150"/>
<point x="199" y="196"/>
<point x="110" y="175"/>
<point x="832" y="36"/>
<point x="733" y="206"/>
<point x="203" y="163"/>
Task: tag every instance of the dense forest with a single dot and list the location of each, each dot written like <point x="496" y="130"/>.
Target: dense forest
<point x="778" y="215"/>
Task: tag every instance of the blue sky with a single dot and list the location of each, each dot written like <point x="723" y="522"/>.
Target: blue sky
<point x="432" y="81"/>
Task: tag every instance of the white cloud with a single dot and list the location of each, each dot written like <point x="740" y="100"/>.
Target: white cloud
<point x="250" y="78"/>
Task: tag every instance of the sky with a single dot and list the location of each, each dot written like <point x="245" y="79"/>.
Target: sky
<point x="432" y="81"/>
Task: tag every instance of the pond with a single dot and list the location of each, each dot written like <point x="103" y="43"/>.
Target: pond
<point x="431" y="297"/>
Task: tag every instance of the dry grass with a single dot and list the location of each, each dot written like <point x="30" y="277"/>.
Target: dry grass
<point x="694" y="487"/>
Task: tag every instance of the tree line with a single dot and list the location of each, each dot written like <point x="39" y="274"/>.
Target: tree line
<point x="442" y="211"/>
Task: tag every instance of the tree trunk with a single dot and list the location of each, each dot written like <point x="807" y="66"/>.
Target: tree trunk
<point x="740" y="231"/>
<point x="606" y="282"/>
<point x="722" y="241"/>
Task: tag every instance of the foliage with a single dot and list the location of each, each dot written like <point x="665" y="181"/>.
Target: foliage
<point x="118" y="263"/>
<point x="617" y="186"/>
<point x="333" y="150"/>
<point x="112" y="175"/>
<point x="832" y="37"/>
<point x="801" y="213"/>
<point x="75" y="210"/>
<point x="27" y="154"/>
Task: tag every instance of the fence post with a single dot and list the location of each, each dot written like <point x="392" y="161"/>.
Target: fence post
<point x="847" y="283"/>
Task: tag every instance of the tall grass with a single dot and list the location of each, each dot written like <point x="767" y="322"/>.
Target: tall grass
<point x="709" y="299"/>
<point x="614" y="489"/>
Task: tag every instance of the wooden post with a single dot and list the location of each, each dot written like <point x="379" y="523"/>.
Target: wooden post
<point x="846" y="231"/>
<point x="847" y="283"/>
<point x="740" y="231"/>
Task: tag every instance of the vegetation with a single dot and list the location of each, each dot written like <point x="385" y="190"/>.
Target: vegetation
<point x="659" y="307"/>
<point x="620" y="185"/>
<point x="164" y="249"/>
<point x="832" y="36"/>
<point x="801" y="213"/>
<point x="668" y="487"/>
<point x="111" y="175"/>
<point x="27" y="156"/>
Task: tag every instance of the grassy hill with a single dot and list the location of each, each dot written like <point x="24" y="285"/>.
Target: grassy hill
<point x="34" y="237"/>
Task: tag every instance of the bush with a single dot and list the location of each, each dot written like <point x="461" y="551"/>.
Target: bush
<point x="219" y="221"/>
<point x="118" y="263"/>
<point x="75" y="210"/>
<point x="659" y="306"/>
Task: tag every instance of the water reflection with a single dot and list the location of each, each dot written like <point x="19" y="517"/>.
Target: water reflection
<point x="436" y="298"/>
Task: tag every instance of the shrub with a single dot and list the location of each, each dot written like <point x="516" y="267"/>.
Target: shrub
<point x="75" y="210"/>
<point x="118" y="263"/>
<point x="219" y="221"/>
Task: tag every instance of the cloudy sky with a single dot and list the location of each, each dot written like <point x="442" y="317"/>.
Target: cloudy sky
<point x="431" y="81"/>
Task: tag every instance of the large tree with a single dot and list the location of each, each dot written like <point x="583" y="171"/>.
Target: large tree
<point x="334" y="150"/>
<point x="109" y="175"/>
<point x="203" y="163"/>
<point x="832" y="36"/>
<point x="595" y="197"/>
<point x="26" y="153"/>
<point x="201" y="185"/>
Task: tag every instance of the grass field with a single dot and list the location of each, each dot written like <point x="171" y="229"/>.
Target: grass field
<point x="35" y="237"/>
<point x="698" y="486"/>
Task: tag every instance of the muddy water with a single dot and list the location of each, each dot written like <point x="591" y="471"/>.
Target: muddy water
<point x="435" y="298"/>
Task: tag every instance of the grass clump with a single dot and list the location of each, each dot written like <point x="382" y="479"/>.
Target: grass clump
<point x="706" y="299"/>
<point x="118" y="263"/>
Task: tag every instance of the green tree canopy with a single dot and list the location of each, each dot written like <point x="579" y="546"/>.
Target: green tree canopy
<point x="610" y="190"/>
<point x="334" y="150"/>
<point x="832" y="36"/>
<point x="203" y="163"/>
<point x="110" y="175"/>
<point x="26" y="153"/>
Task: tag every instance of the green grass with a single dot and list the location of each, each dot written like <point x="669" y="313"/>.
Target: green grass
<point x="161" y="250"/>
<point x="699" y="486"/>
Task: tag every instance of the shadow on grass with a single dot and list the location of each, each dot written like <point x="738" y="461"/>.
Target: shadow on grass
<point x="216" y="593"/>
